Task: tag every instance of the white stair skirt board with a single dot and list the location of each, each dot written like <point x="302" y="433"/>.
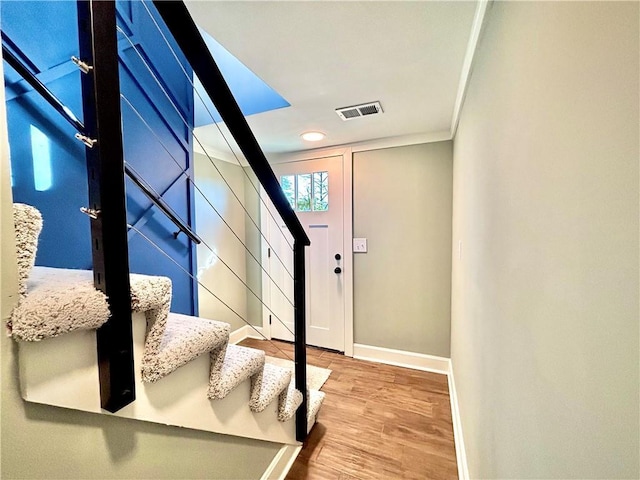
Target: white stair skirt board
<point x="401" y="358"/>
<point x="246" y="331"/>
<point x="282" y="462"/>
<point x="461" y="453"/>
<point x="63" y="371"/>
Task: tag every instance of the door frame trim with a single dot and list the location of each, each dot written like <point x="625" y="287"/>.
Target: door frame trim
<point x="347" y="227"/>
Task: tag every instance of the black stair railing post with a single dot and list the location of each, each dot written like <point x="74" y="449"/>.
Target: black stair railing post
<point x="299" y="322"/>
<point x="107" y="208"/>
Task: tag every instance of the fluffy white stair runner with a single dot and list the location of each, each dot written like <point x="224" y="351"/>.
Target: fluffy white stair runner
<point x="267" y="385"/>
<point x="314" y="402"/>
<point x="230" y="366"/>
<point x="184" y="339"/>
<point x="59" y="301"/>
<point x="289" y="401"/>
<point x="28" y="223"/>
<point x="56" y="302"/>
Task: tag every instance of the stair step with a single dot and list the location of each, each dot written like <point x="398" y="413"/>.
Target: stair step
<point x="62" y="300"/>
<point x="184" y="339"/>
<point x="267" y="385"/>
<point x="152" y="295"/>
<point x="314" y="402"/>
<point x="58" y="301"/>
<point x="230" y="366"/>
<point x="289" y="401"/>
<point x="28" y="225"/>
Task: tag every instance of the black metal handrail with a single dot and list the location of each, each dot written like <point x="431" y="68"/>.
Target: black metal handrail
<point x="161" y="204"/>
<point x="37" y="85"/>
<point x="188" y="37"/>
<point x="186" y="33"/>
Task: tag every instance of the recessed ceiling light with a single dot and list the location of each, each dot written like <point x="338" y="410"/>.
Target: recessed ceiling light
<point x="312" y="136"/>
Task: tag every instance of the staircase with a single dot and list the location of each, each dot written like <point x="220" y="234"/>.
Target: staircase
<point x="232" y="390"/>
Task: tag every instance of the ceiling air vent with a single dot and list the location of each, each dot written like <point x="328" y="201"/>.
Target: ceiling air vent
<point x="356" y="111"/>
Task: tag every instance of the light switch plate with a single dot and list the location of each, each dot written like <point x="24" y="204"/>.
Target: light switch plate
<point x="359" y="245"/>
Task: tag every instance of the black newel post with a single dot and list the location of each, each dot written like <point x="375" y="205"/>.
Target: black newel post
<point x="107" y="208"/>
<point x="300" y="337"/>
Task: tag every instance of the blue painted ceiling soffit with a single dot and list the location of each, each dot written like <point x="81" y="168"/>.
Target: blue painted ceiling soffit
<point x="252" y="94"/>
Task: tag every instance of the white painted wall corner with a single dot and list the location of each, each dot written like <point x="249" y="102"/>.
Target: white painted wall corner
<point x="461" y="453"/>
<point x="246" y="331"/>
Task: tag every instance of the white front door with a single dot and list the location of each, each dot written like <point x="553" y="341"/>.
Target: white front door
<point x="315" y="189"/>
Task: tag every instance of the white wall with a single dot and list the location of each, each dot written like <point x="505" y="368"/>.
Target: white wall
<point x="402" y="286"/>
<point x="254" y="241"/>
<point x="222" y="248"/>
<point x="545" y="295"/>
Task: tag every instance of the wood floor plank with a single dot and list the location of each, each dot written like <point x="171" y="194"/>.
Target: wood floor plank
<point x="429" y="463"/>
<point x="377" y="422"/>
<point x="398" y="414"/>
<point x="426" y="383"/>
<point x="357" y="461"/>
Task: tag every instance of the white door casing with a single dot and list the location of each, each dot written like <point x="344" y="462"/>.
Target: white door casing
<point x="277" y="285"/>
<point x="329" y="311"/>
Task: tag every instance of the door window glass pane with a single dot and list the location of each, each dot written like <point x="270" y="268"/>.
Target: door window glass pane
<point x="307" y="192"/>
<point x="304" y="192"/>
<point x="287" y="182"/>
<point x="320" y="191"/>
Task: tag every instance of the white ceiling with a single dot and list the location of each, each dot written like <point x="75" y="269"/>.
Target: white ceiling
<point x="323" y="55"/>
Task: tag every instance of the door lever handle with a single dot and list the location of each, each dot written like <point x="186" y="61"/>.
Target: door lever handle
<point x="337" y="270"/>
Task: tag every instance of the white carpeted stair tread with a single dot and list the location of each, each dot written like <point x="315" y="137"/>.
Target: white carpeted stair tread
<point x="289" y="401"/>
<point x="152" y="295"/>
<point x="149" y="292"/>
<point x="28" y="225"/>
<point x="267" y="385"/>
<point x="314" y="402"/>
<point x="231" y="366"/>
<point x="58" y="301"/>
<point x="184" y="339"/>
<point x="61" y="300"/>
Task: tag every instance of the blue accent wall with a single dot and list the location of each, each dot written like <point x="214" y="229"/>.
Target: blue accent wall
<point x="66" y="238"/>
<point x="48" y="163"/>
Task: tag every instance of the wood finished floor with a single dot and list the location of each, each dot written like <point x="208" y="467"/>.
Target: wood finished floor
<point x="377" y="422"/>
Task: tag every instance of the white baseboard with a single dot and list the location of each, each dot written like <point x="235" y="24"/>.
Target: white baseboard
<point x="428" y="363"/>
<point x="401" y="358"/>
<point x="246" y="331"/>
<point x="461" y="454"/>
<point x="282" y="463"/>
